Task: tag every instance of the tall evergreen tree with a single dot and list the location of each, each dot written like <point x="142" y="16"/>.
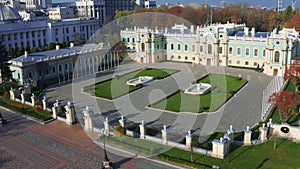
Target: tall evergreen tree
<point x="6" y="73"/>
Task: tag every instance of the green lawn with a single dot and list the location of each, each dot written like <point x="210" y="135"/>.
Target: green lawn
<point x="224" y="88"/>
<point x="247" y="157"/>
<point x="116" y="87"/>
<point x="26" y="110"/>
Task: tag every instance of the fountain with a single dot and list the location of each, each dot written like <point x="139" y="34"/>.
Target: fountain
<point x="140" y="80"/>
<point x="198" y="89"/>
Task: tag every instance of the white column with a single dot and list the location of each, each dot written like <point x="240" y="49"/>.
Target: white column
<point x="122" y="121"/>
<point x="88" y="119"/>
<point x="188" y="140"/>
<point x="12" y="94"/>
<point x="33" y="100"/>
<point x="44" y="101"/>
<point x="164" y="135"/>
<point x="70" y="114"/>
<point x="23" y="97"/>
<point x="263" y="133"/>
<point x="54" y="112"/>
<point x="142" y="130"/>
<point x="106" y="127"/>
<point x="247" y="136"/>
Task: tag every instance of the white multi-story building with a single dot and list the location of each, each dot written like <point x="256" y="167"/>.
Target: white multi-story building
<point x="16" y="33"/>
<point x="217" y="44"/>
<point x="59" y="13"/>
<point x="37" y="4"/>
<point x="91" y="8"/>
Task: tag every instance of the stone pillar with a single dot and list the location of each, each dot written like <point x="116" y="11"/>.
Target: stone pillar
<point x="33" y="100"/>
<point x="122" y="121"/>
<point x="263" y="133"/>
<point x="164" y="135"/>
<point x="142" y="130"/>
<point x="88" y="120"/>
<point x="247" y="136"/>
<point x="230" y="133"/>
<point x="54" y="112"/>
<point x="188" y="140"/>
<point x="58" y="105"/>
<point x="12" y="94"/>
<point x="70" y="114"/>
<point x="220" y="148"/>
<point x="23" y="97"/>
<point x="44" y="101"/>
<point x="106" y="127"/>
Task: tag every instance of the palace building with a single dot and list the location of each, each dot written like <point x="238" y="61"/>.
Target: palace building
<point x="217" y="45"/>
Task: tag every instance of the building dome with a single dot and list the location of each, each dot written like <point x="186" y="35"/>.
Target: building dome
<point x="7" y="13"/>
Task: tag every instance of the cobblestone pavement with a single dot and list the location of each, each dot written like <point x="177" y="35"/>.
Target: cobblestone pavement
<point x="28" y="145"/>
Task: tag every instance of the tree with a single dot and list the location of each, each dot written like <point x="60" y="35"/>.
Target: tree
<point x="294" y="21"/>
<point x="287" y="102"/>
<point x="293" y="74"/>
<point x="78" y="40"/>
<point x="6" y="73"/>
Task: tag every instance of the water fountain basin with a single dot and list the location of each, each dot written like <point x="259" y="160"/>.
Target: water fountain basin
<point x="139" y="80"/>
<point x="198" y="89"/>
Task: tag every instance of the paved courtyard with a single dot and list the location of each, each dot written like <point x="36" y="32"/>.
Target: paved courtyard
<point x="29" y="145"/>
<point x="241" y="110"/>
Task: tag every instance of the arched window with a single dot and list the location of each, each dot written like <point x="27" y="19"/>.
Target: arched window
<point x="277" y="55"/>
<point x="133" y="40"/>
<point x="209" y="50"/>
<point x="230" y="50"/>
<point x="143" y="47"/>
<point x="165" y="46"/>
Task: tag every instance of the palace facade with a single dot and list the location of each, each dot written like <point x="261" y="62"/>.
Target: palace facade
<point x="217" y="45"/>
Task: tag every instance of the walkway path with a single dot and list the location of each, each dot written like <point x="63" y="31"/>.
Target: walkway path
<point x="27" y="145"/>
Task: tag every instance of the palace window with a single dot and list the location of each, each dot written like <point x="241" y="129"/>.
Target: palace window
<point x="255" y="52"/>
<point x="178" y="47"/>
<point x="133" y="40"/>
<point x="186" y="58"/>
<point x="238" y="62"/>
<point x="239" y="51"/>
<point x="246" y="63"/>
<point x="247" y="51"/>
<point x="194" y="58"/>
<point x="157" y="46"/>
<point x="179" y="57"/>
<point x="201" y="48"/>
<point x="30" y="75"/>
<point x="220" y="49"/>
<point x="193" y="48"/>
<point x="230" y="50"/>
<point x="128" y="40"/>
<point x="264" y="53"/>
<point x="172" y="46"/>
<point x="277" y="55"/>
<point x="165" y="46"/>
<point x="185" y="47"/>
<point x="53" y="69"/>
<point x="209" y="50"/>
<point x="143" y="47"/>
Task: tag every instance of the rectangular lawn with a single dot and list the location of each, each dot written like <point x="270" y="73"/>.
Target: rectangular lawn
<point x="116" y="87"/>
<point x="224" y="88"/>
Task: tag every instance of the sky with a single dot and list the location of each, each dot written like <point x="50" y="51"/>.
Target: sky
<point x="258" y="3"/>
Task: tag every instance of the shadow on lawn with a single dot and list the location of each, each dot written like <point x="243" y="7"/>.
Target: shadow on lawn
<point x="262" y="163"/>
